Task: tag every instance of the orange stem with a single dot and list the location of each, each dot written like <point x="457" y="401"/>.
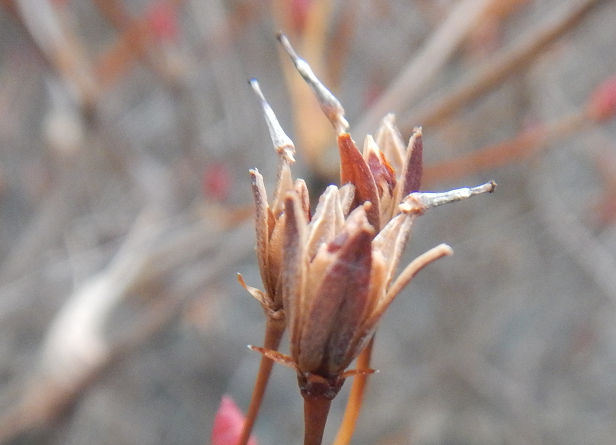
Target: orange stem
<point x="273" y="334"/>
<point x="351" y="413"/>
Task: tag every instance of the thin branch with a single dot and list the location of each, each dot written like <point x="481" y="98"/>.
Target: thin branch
<point x="76" y="350"/>
<point x="273" y="335"/>
<point x="353" y="407"/>
<point x="494" y="71"/>
<point x="521" y="147"/>
<point x="430" y="59"/>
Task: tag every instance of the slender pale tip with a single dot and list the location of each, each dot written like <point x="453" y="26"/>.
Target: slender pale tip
<point x="331" y="107"/>
<point x="286" y="45"/>
<point x="282" y="143"/>
<point x="419" y="202"/>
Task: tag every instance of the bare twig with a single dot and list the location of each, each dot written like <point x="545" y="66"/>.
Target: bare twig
<point x="582" y="246"/>
<point x="521" y="147"/>
<point x="420" y="71"/>
<point x="502" y="65"/>
<point x="76" y="349"/>
<point x="61" y="47"/>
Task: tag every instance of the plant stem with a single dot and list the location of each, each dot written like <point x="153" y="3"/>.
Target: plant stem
<point x="351" y="413"/>
<point x="273" y="334"/>
<point x="316" y="409"/>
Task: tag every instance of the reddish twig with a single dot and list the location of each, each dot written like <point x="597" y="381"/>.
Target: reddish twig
<point x="273" y="334"/>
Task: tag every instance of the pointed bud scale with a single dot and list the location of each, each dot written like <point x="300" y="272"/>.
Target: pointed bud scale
<point x="327" y="221"/>
<point x="413" y="167"/>
<point x="262" y="228"/>
<point x="293" y="273"/>
<point x="390" y="142"/>
<point x="355" y="170"/>
<point x="270" y="219"/>
<point x="383" y="174"/>
<point x="338" y="300"/>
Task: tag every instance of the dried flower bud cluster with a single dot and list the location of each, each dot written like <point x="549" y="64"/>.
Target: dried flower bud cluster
<point x="331" y="276"/>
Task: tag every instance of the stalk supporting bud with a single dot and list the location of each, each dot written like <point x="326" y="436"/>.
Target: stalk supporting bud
<point x="327" y="101"/>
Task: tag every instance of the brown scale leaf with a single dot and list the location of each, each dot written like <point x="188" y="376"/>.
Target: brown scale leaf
<point x="413" y="167"/>
<point x="355" y="170"/>
<point x="293" y="272"/>
<point x="327" y="222"/>
<point x="262" y="224"/>
<point x="390" y="142"/>
<point x="338" y="304"/>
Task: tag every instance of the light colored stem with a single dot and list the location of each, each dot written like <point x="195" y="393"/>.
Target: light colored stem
<point x="429" y="59"/>
<point x="353" y="407"/>
<point x="273" y="334"/>
<point x="495" y="70"/>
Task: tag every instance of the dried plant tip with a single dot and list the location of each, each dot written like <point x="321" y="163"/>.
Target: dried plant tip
<point x="355" y="170"/>
<point x="354" y="372"/>
<point x="282" y="143"/>
<point x="328" y="102"/>
<point x="276" y="356"/>
<point x="413" y="170"/>
<point x="420" y="202"/>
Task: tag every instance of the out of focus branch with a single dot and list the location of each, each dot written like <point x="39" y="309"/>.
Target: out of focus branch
<point x="495" y="70"/>
<point x="76" y="348"/>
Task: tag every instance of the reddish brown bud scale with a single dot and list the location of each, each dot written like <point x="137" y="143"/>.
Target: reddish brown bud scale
<point x="384" y="175"/>
<point x="355" y="170"/>
<point x="262" y="227"/>
<point x="413" y="169"/>
<point x="339" y="300"/>
<point x="292" y="274"/>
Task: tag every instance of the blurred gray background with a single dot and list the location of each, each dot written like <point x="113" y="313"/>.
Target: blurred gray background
<point x="126" y="132"/>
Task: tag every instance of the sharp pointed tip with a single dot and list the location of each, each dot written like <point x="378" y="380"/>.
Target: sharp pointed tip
<point x="254" y="84"/>
<point x="284" y="41"/>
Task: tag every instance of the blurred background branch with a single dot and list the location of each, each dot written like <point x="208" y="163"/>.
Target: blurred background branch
<point x="126" y="133"/>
